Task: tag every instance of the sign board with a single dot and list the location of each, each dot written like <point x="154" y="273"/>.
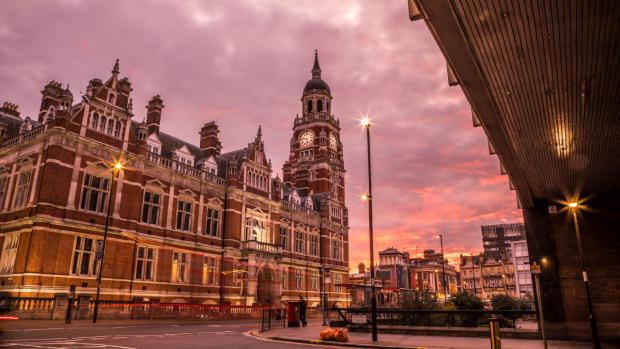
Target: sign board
<point x="535" y="269"/>
<point x="359" y="319"/>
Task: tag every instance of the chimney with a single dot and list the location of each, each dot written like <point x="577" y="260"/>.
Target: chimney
<point x="153" y="113"/>
<point x="10" y="109"/>
<point x="209" y="141"/>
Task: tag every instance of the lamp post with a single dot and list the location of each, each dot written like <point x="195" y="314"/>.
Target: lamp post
<point x="473" y="271"/>
<point x="574" y="206"/>
<point x="116" y="169"/>
<point x="368" y="198"/>
<point x="443" y="269"/>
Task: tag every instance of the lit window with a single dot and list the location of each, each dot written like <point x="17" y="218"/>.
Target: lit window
<point x="150" y="208"/>
<point x="145" y="263"/>
<point x="314" y="280"/>
<point x="9" y="253"/>
<point x="255" y="229"/>
<point x="180" y="267"/>
<point x="210" y="271"/>
<point x="184" y="215"/>
<point x="84" y="257"/>
<point x="95" y="191"/>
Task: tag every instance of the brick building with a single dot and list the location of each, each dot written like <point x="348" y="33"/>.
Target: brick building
<point x="427" y="274"/>
<point x="188" y="223"/>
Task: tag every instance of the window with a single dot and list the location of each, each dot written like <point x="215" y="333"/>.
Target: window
<point x="309" y="106"/>
<point x="213" y="222"/>
<point x="145" y="263"/>
<point x="337" y="281"/>
<point x="299" y="279"/>
<point x="299" y="242"/>
<point x="336" y="249"/>
<point x="255" y="229"/>
<point x="95" y="191"/>
<point x="110" y="126"/>
<point x="150" y="208"/>
<point x="314" y="245"/>
<point x="314" y="280"/>
<point x="4" y="186"/>
<point x="117" y="129"/>
<point x="23" y="187"/>
<point x="184" y="215"/>
<point x="180" y="267"/>
<point x="210" y="271"/>
<point x="94" y="121"/>
<point x="84" y="257"/>
<point x="9" y="253"/>
<point x="285" y="278"/>
<point x="319" y="105"/>
<point x="102" y="123"/>
<point x="284" y="233"/>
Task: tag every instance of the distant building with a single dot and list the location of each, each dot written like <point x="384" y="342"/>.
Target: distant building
<point x="426" y="274"/>
<point x="521" y="262"/>
<point x="393" y="268"/>
<point x="486" y="276"/>
<point x="496" y="238"/>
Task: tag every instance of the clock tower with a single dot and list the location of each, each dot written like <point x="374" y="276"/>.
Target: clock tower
<point x="315" y="165"/>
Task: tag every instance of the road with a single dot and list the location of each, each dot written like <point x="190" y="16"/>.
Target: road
<point x="133" y="335"/>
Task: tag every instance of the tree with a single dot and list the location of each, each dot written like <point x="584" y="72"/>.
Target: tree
<point x="466" y="301"/>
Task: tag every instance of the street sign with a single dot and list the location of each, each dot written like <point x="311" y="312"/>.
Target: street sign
<point x="535" y="268"/>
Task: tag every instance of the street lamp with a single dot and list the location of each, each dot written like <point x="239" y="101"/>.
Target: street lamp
<point x="116" y="168"/>
<point x="574" y="206"/>
<point x="365" y="122"/>
<point x="443" y="268"/>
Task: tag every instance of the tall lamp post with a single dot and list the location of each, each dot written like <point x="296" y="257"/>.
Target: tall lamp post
<point x="116" y="169"/>
<point x="368" y="198"/>
<point x="574" y="206"/>
<point x="443" y="269"/>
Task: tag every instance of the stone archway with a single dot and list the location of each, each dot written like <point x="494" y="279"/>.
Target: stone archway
<point x="266" y="288"/>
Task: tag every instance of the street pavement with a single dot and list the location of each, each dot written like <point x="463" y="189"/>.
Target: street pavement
<point x="133" y="334"/>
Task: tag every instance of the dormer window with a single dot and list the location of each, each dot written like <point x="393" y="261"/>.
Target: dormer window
<point x="111" y="98"/>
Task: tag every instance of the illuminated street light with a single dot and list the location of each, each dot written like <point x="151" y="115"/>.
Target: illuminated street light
<point x="365" y="122"/>
<point x="116" y="168"/>
<point x="574" y="206"/>
<point x="365" y="197"/>
<point x="443" y="268"/>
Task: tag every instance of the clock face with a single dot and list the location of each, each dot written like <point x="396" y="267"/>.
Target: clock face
<point x="333" y="142"/>
<point x="306" y="139"/>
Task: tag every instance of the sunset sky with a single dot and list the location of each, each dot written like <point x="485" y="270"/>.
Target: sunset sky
<point x="245" y="63"/>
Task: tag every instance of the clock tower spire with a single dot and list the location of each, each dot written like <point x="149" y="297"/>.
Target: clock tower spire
<point x="315" y="165"/>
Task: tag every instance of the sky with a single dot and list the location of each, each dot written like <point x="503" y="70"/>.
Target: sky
<point x="244" y="63"/>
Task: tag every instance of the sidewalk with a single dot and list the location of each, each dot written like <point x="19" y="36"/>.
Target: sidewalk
<point x="310" y="334"/>
<point x="13" y="325"/>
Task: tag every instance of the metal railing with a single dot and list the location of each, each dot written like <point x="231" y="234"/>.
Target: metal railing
<point x="296" y="207"/>
<point x="446" y="318"/>
<point x="273" y="318"/>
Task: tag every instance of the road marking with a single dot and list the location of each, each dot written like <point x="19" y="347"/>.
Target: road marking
<point x="43" y="329"/>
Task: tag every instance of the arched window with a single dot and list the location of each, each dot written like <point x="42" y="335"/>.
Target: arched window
<point x="319" y="105"/>
<point x="328" y="107"/>
<point x="94" y="121"/>
<point x="111" y="99"/>
<point x="309" y="106"/>
<point x="117" y="129"/>
<point x="110" y="126"/>
<point x="102" y="123"/>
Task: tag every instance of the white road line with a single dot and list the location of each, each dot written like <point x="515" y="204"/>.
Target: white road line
<point x="43" y="329"/>
<point x="35" y="340"/>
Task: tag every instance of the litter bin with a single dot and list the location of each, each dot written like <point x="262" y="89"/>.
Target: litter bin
<point x="293" y="314"/>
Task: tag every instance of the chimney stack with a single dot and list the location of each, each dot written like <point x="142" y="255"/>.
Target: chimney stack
<point x="153" y="113"/>
<point x="10" y="109"/>
<point x="209" y="141"/>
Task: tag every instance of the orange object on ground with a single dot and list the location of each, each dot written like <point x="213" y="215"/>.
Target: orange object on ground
<point x="341" y="335"/>
<point x="328" y="334"/>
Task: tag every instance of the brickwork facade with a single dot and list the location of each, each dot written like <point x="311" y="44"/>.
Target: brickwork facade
<point x="187" y="223"/>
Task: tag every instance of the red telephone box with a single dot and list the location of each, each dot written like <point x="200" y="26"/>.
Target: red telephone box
<point x="293" y="314"/>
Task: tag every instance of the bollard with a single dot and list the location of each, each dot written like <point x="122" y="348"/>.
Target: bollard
<point x="496" y="340"/>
